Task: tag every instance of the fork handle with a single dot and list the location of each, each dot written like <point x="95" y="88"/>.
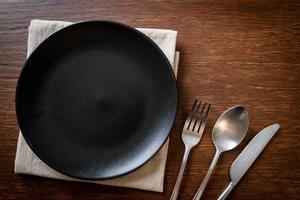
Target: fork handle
<point x="180" y="174"/>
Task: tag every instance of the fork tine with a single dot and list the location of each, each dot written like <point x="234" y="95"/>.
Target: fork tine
<point x="203" y="108"/>
<point x="203" y="123"/>
<point x="194" y="105"/>
<point x="196" y="117"/>
<point x="197" y="120"/>
<point x="198" y="106"/>
<point x="188" y="120"/>
<point x="190" y="115"/>
<point x="200" y="118"/>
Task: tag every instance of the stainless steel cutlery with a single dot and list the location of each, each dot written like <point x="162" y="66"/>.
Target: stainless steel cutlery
<point x="228" y="132"/>
<point x="191" y="135"/>
<point x="247" y="157"/>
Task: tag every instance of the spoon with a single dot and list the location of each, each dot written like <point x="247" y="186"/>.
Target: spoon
<point x="228" y="132"/>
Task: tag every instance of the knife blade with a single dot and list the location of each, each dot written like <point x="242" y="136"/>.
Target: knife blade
<point x="247" y="157"/>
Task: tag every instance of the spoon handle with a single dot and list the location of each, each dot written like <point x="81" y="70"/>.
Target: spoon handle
<point x="180" y="174"/>
<point x="207" y="176"/>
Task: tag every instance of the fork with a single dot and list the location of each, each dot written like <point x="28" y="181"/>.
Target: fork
<point x="191" y="135"/>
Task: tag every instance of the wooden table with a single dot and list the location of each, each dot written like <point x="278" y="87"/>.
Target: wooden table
<point x="232" y="52"/>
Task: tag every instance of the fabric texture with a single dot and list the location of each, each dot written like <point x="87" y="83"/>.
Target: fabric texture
<point x="148" y="177"/>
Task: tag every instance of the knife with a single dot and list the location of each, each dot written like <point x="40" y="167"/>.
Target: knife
<point x="247" y="157"/>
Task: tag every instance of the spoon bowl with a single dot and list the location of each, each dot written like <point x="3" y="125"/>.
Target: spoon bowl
<point x="230" y="129"/>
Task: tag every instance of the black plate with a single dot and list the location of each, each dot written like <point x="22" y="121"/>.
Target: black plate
<point x="96" y="100"/>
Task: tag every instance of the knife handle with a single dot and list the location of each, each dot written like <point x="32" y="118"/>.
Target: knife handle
<point x="226" y="192"/>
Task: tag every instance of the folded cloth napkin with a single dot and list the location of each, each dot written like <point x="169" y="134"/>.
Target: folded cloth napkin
<point x="151" y="175"/>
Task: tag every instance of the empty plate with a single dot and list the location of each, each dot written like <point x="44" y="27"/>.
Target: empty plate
<point x="96" y="100"/>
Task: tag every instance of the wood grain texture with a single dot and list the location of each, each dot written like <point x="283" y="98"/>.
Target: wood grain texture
<point x="232" y="52"/>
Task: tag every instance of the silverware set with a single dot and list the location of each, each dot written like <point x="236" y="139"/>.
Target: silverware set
<point x="228" y="132"/>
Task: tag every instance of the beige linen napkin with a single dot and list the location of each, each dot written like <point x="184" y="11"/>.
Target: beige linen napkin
<point x="151" y="175"/>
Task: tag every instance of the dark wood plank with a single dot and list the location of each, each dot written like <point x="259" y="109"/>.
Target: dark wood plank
<point x="232" y="52"/>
